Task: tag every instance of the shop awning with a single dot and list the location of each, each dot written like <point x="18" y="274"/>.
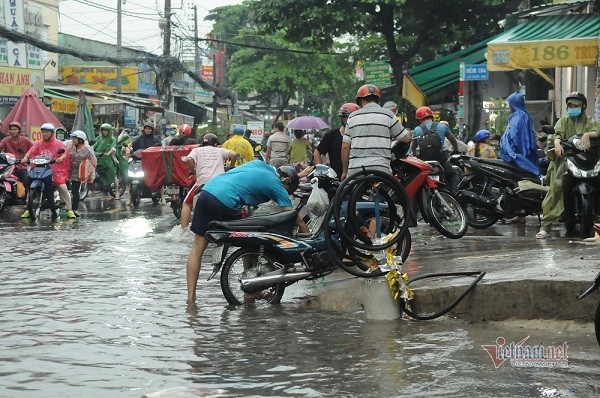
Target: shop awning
<point x="547" y="42"/>
<point x="440" y="73"/>
<point x="61" y="103"/>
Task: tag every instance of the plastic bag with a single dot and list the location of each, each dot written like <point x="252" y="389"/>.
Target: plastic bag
<point x="318" y="201"/>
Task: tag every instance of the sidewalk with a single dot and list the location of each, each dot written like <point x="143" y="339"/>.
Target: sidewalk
<point x="526" y="278"/>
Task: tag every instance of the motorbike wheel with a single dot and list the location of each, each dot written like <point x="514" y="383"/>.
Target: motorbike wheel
<point x="176" y="206"/>
<point x="422" y="198"/>
<point x="135" y="196"/>
<point x="446" y="215"/>
<point x="84" y="190"/>
<point x="247" y="263"/>
<point x="3" y="199"/>
<point x="597" y="323"/>
<point x="586" y="216"/>
<point x="34" y="203"/>
<point x="155" y="198"/>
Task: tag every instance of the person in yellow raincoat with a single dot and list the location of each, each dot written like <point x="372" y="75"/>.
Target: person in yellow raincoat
<point x="574" y="123"/>
<point x="238" y="144"/>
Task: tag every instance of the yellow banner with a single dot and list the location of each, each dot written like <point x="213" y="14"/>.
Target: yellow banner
<point x="61" y="105"/>
<point x="411" y="92"/>
<point x="13" y="81"/>
<point x="101" y="78"/>
<point x="542" y="54"/>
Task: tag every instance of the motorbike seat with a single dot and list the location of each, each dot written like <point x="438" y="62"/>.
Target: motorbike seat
<point x="257" y="223"/>
<point x="515" y="169"/>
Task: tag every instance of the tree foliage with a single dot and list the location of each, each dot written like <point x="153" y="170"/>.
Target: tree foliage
<point x="412" y="31"/>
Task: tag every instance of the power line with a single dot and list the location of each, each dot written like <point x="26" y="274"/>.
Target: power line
<point x="114" y="10"/>
<point x="285" y="50"/>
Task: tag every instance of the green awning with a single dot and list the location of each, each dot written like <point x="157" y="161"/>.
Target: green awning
<point x="547" y="42"/>
<point x="442" y="72"/>
<point x="55" y="94"/>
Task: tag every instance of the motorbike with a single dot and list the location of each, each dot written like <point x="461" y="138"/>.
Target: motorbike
<point x="594" y="288"/>
<point x="137" y="187"/>
<point x="41" y="189"/>
<point x="492" y="189"/>
<point x="8" y="181"/>
<point x="269" y="258"/>
<point x="424" y="183"/>
<point x="100" y="186"/>
<point x="584" y="169"/>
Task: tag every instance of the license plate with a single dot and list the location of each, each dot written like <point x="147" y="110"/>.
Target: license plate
<point x="434" y="177"/>
<point x="172" y="190"/>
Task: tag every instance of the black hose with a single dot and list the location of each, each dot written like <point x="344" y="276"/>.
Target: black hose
<point x="438" y="314"/>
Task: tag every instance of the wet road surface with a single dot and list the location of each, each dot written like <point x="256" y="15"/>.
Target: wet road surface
<point x="96" y="307"/>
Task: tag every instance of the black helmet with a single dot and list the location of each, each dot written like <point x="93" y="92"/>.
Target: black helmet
<point x="289" y="171"/>
<point x="210" y="139"/>
<point x="577" y="95"/>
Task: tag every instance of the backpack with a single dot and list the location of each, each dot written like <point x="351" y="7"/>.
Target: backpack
<point x="430" y="147"/>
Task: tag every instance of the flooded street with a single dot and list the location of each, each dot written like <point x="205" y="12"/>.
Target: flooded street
<point x="95" y="307"/>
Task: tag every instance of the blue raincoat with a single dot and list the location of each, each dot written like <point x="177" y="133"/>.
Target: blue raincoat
<point x="518" y="143"/>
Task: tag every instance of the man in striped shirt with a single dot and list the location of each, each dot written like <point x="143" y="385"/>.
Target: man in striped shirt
<point x="369" y="134"/>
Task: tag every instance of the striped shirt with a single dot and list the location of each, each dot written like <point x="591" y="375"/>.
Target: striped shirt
<point x="370" y="132"/>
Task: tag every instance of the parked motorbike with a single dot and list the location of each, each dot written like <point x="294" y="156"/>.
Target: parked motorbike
<point x="424" y="183"/>
<point x="269" y="258"/>
<point x="137" y="187"/>
<point x="584" y="169"/>
<point x="9" y="181"/>
<point x="594" y="288"/>
<point x="493" y="189"/>
<point x="41" y="189"/>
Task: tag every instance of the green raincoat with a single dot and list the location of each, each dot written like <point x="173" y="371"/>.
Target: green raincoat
<point x="565" y="128"/>
<point x="108" y="165"/>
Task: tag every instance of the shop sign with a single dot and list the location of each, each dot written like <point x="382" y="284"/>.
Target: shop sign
<point x="107" y="109"/>
<point x="13" y="81"/>
<point x="101" y="78"/>
<point x="378" y="73"/>
<point x="258" y="129"/>
<point x="543" y="54"/>
<point x="61" y="105"/>
<point x="146" y="80"/>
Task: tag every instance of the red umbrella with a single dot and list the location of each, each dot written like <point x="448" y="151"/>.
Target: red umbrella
<point x="31" y="112"/>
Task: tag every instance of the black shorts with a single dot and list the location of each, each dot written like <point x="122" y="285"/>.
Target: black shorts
<point x="209" y="208"/>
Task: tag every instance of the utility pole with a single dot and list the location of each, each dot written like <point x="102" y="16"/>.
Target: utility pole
<point x="196" y="49"/>
<point x="215" y="98"/>
<point x="166" y="81"/>
<point x="119" y="44"/>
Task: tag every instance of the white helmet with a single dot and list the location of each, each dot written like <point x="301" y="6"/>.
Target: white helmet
<point x="47" y="126"/>
<point x="79" y="134"/>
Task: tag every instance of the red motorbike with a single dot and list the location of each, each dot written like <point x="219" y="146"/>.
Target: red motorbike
<point x="424" y="183"/>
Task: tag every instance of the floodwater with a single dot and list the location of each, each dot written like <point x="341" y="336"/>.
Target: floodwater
<point x="95" y="307"/>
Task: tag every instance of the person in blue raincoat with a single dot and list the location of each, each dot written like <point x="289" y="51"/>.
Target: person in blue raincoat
<point x="518" y="144"/>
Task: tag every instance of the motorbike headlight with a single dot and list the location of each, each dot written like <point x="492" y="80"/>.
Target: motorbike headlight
<point x="135" y="174"/>
<point x="578" y="173"/>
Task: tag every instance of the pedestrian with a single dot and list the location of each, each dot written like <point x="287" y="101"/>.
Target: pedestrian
<point x="575" y="122"/>
<point x="298" y="151"/>
<point x="277" y="146"/>
<point x="331" y="143"/>
<point x="518" y="143"/>
<point x="424" y="115"/>
<point x="206" y="161"/>
<point x="222" y="198"/>
<point x="109" y="162"/>
<point x="80" y="154"/>
<point x="482" y="148"/>
<point x="17" y="145"/>
<point x="369" y="134"/>
<point x="49" y="147"/>
<point x="238" y="144"/>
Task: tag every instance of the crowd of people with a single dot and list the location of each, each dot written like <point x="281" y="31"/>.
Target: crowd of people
<point x="270" y="170"/>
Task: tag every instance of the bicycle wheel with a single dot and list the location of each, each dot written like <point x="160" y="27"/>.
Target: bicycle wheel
<point x="248" y="263"/>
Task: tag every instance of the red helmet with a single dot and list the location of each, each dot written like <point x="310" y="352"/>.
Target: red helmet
<point x="16" y="124"/>
<point x="185" y="129"/>
<point x="367" y="90"/>
<point x="347" y="109"/>
<point x="423" y="112"/>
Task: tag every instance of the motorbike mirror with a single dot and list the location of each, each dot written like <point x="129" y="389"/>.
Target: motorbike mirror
<point x="60" y="151"/>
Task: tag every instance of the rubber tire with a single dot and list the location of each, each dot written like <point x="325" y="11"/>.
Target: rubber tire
<point x="597" y="323"/>
<point x="422" y="198"/>
<point x="155" y="198"/>
<point x="84" y="190"/>
<point x="586" y="216"/>
<point x="3" y="199"/>
<point x="34" y="203"/>
<point x="434" y="222"/>
<point x="135" y="196"/>
<point x="176" y="206"/>
<point x="226" y="277"/>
